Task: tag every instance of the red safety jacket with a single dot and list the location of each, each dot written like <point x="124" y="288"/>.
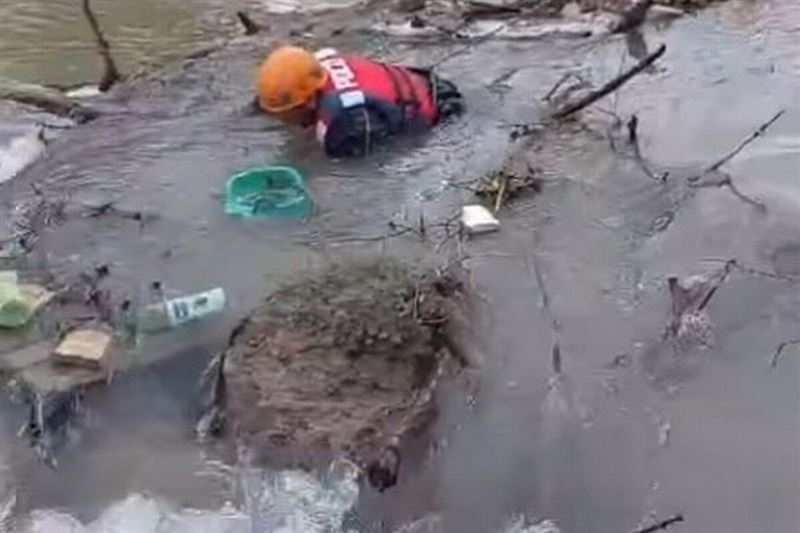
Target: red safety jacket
<point x="364" y="102"/>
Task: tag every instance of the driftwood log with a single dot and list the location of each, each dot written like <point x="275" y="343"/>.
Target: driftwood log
<point x="47" y="99"/>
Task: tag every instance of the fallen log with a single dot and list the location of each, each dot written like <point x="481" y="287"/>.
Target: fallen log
<point x="47" y="99"/>
<point x="571" y="108"/>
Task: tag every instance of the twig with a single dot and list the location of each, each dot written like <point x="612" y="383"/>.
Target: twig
<point x="110" y="73"/>
<point x="573" y="107"/>
<point x="503" y="78"/>
<point x="557" y="86"/>
<point x="555" y="326"/>
<point x="501" y="193"/>
<point x="661" y="526"/>
<point x="779" y="350"/>
<point x="396" y="231"/>
<point x="696" y="181"/>
<point x="723" y="275"/>
<point x="755" y="135"/>
<point x="249" y="25"/>
<point x="734" y="263"/>
<point x="727" y="181"/>
<point x="633" y="137"/>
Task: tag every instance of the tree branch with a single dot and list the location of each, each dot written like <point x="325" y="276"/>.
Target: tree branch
<point x="661" y="526"/>
<point x="110" y="73"/>
<point x="779" y="350"/>
<point x="573" y="107"/>
<point x="755" y="135"/>
<point x="250" y="26"/>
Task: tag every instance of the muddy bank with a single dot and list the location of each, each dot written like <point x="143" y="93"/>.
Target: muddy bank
<point x="343" y="363"/>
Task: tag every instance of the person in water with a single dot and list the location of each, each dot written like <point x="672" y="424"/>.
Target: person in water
<point x="354" y="103"/>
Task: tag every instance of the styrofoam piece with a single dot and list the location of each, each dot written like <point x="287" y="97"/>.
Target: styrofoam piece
<point x="477" y="219"/>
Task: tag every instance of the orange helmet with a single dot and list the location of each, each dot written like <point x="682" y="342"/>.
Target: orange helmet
<point x="290" y="77"/>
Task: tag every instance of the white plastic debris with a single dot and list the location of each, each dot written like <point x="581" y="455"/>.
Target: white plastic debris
<point x="84" y="91"/>
<point x="477" y="219"/>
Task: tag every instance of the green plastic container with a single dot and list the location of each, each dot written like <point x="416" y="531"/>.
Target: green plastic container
<point x="14" y="310"/>
<point x="266" y="192"/>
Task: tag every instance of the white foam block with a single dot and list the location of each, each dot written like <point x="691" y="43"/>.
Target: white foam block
<point x="477" y="219"/>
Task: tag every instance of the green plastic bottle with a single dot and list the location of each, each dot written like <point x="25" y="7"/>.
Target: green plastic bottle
<point x="175" y="312"/>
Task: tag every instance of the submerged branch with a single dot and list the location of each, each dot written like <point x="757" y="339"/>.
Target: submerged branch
<point x="727" y="181"/>
<point x="742" y="145"/>
<point x="633" y="138"/>
<point x="661" y="526"/>
<point x="110" y="72"/>
<point x="555" y="325"/>
<point x="573" y="107"/>
<point x="779" y="350"/>
<point x="249" y="25"/>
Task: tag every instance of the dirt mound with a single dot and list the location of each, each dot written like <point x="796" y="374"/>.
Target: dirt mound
<point x="340" y="363"/>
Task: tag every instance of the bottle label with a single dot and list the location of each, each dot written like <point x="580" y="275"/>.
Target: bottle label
<point x="181" y="310"/>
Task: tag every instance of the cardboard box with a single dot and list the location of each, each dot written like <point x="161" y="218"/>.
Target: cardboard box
<point x="85" y="347"/>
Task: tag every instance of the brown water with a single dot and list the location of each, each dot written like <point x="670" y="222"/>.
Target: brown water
<point x="49" y="42"/>
<point x="732" y="464"/>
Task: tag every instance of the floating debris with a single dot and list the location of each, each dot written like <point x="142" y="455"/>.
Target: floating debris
<point x="87" y="348"/>
<point x="499" y="187"/>
<point x="477" y="219"/>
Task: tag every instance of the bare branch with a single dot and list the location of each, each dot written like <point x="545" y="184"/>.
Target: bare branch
<point x="755" y="135"/>
<point x="779" y="350"/>
<point x="555" y="325"/>
<point x="722" y="276"/>
<point x="557" y="86"/>
<point x="661" y="526"/>
<point x="633" y="137"/>
<point x="734" y="263"/>
<point x="249" y="25"/>
<point x="611" y="86"/>
<point x="727" y="181"/>
<point x="110" y="73"/>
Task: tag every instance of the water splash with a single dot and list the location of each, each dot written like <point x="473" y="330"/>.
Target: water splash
<point x="274" y="502"/>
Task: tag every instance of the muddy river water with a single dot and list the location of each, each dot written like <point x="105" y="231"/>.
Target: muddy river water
<point x="605" y="453"/>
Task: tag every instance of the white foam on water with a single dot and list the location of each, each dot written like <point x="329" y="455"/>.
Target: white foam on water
<point x="279" y="502"/>
<point x="18" y="153"/>
<point x="275" y="502"/>
<point x="295" y="6"/>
